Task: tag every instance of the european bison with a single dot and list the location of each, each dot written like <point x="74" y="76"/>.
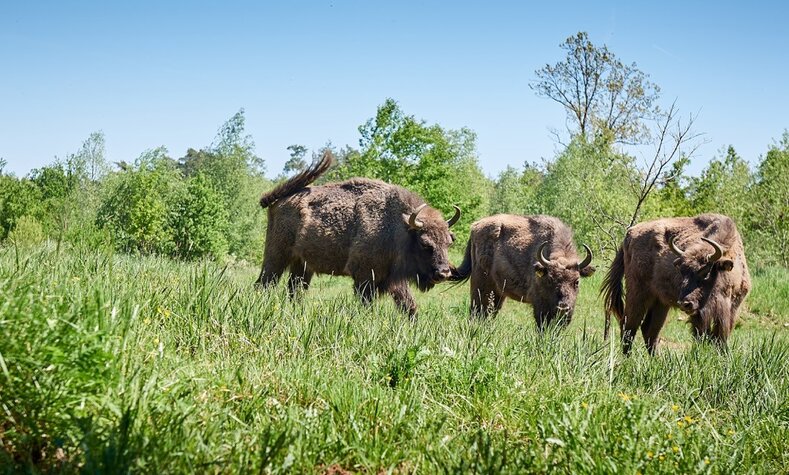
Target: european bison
<point x="528" y="258"/>
<point x="381" y="235"/>
<point x="695" y="264"/>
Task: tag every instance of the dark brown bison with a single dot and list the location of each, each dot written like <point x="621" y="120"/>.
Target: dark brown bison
<point x="381" y="235"/>
<point x="694" y="264"/>
<point x="528" y="258"/>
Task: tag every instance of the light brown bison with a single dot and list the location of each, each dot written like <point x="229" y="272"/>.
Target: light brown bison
<point x="381" y="235"/>
<point x="695" y="264"/>
<point x="527" y="258"/>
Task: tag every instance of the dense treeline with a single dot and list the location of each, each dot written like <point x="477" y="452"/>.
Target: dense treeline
<point x="625" y="161"/>
<point x="205" y="203"/>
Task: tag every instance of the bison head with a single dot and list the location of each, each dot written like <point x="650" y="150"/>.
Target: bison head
<point x="700" y="267"/>
<point x="556" y="285"/>
<point x="430" y="239"/>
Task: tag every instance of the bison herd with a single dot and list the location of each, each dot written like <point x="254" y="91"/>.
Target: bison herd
<point x="384" y="236"/>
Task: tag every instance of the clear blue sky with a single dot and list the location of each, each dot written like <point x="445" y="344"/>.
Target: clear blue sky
<point x="170" y="73"/>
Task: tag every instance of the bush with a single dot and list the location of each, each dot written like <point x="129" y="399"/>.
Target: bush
<point x="27" y="232"/>
<point x="200" y="222"/>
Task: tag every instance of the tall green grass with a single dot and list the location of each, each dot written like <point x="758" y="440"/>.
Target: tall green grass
<point x="117" y="364"/>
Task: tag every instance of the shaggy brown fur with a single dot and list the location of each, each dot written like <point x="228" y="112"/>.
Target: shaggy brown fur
<point x="359" y="228"/>
<point x="657" y="279"/>
<point x="502" y="259"/>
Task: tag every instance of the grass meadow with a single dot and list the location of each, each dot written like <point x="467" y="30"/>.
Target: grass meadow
<point x="125" y="364"/>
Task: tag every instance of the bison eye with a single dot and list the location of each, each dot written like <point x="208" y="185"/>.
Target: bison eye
<point x="577" y="283"/>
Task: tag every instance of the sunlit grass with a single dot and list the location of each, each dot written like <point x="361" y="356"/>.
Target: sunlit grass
<point x="118" y="363"/>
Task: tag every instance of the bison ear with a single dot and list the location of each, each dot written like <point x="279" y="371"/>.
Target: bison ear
<point x="726" y="264"/>
<point x="587" y="271"/>
<point x="539" y="269"/>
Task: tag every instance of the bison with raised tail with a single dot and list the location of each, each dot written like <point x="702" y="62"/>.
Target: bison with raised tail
<point x="527" y="258"/>
<point x="694" y="264"/>
<point x="381" y="235"/>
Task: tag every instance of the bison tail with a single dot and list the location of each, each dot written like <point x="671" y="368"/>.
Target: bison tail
<point x="463" y="272"/>
<point x="299" y="181"/>
<point x="612" y="290"/>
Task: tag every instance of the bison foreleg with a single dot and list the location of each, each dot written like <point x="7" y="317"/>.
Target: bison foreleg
<point x="365" y="289"/>
<point x="403" y="298"/>
<point x="485" y="298"/>
<point x="299" y="280"/>
<point x="651" y="326"/>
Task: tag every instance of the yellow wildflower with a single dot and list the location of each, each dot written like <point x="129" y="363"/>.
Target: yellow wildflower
<point x="584" y="405"/>
<point x="624" y="397"/>
<point x="706" y="460"/>
<point x="650" y="454"/>
<point x="662" y="458"/>
<point x="689" y="420"/>
<point x="674" y="407"/>
<point x="675" y="449"/>
<point x="730" y="432"/>
<point x="680" y="424"/>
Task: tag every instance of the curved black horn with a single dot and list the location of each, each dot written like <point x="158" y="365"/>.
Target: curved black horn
<point x="412" y="221"/>
<point x="674" y="247"/>
<point x="718" y="251"/>
<point x="588" y="259"/>
<point x="541" y="256"/>
<point x="454" y="219"/>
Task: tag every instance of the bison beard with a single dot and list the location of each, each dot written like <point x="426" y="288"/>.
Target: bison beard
<point x="381" y="235"/>
<point x="695" y="264"/>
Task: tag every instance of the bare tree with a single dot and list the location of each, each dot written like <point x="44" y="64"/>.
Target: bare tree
<point x="600" y="93"/>
<point x="671" y="135"/>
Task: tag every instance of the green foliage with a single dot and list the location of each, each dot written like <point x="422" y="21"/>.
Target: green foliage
<point x="200" y="221"/>
<point x="17" y="198"/>
<point x="236" y="174"/>
<point x="27" y="232"/>
<point x="441" y="165"/>
<point x="723" y="187"/>
<point x="138" y="205"/>
<point x="296" y="162"/>
<point x="516" y="192"/>
<point x="671" y="198"/>
<point x="769" y="207"/>
<point x="588" y="187"/>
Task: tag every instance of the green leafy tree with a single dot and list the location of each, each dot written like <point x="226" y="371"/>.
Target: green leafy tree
<point x="671" y="199"/>
<point x="18" y="198"/>
<point x="515" y="191"/>
<point x="723" y="187"/>
<point x="769" y="207"/>
<point x="601" y="94"/>
<point x="296" y="162"/>
<point x="587" y="187"/>
<point x="441" y="165"/>
<point x="236" y="173"/>
<point x="137" y="209"/>
<point x="200" y="221"/>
